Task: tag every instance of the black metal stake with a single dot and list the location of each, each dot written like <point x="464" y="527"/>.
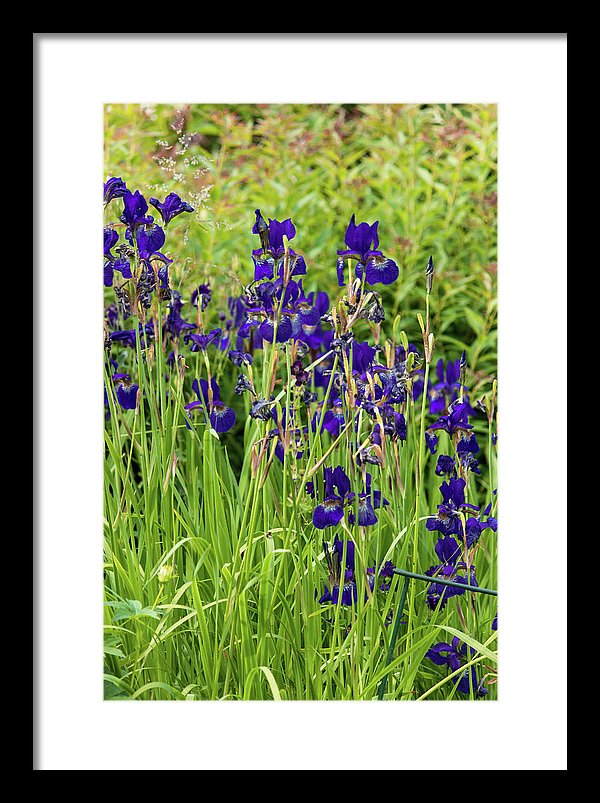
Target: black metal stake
<point x="428" y="579"/>
<point x="395" y="631"/>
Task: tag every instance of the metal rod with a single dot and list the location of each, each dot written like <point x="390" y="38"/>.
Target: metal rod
<point x="395" y="631"/>
<point x="442" y="582"/>
<point x="398" y="618"/>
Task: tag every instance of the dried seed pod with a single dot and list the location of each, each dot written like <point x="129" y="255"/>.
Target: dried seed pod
<point x="123" y="301"/>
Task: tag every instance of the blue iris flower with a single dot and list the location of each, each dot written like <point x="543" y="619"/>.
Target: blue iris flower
<point x="221" y="417"/>
<point x="362" y="243"/>
<point x="453" y="655"/>
<point x="171" y="207"/>
<point x="269" y="259"/>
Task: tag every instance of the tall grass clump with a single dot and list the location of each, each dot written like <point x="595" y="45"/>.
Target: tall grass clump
<point x="300" y="420"/>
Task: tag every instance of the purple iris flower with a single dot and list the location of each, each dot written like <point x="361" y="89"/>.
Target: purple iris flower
<point x="378" y="270"/>
<point x="150" y="239"/>
<point x="359" y="240"/>
<point x="438" y="594"/>
<point x="386" y="573"/>
<point x="311" y="331"/>
<point x="363" y="356"/>
<point x="448" y="551"/>
<point x="451" y="567"/>
<point x="445" y="465"/>
<point x="431" y="442"/>
<point x="394" y="425"/>
<point x="261" y="409"/>
<point x="298" y="316"/>
<point x="112" y="263"/>
<point x="347" y="584"/>
<point x="333" y="420"/>
<point x="111" y="238"/>
<point x="263" y="291"/>
<point x="201" y="341"/>
<point x="202" y="294"/>
<point x="300" y="310"/>
<point x="125" y="336"/>
<point x="240" y="358"/>
<point x="456" y="421"/>
<point x="362" y="243"/>
<point x="266" y="330"/>
<point x="114" y="188"/>
<point x="111" y="315"/>
<point x="126" y="390"/>
<point x="290" y="439"/>
<point x="128" y="336"/>
<point x="447" y="388"/>
<point x="446" y="654"/>
<point x="269" y="259"/>
<point x="452" y="655"/>
<point x="394" y="384"/>
<point x="368" y="502"/>
<point x="164" y="290"/>
<point x="276" y="232"/>
<point x="221" y="417"/>
<point x="265" y="318"/>
<point x="320" y="301"/>
<point x="337" y="494"/>
<point x="448" y="520"/>
<point x="366" y="512"/>
<point x="174" y="324"/>
<point x="337" y="487"/>
<point x="342" y="586"/>
<point x="108" y="273"/>
<point x="135" y="207"/>
<point x="474" y="526"/>
<point x="466" y="450"/>
<point x="171" y="207"/>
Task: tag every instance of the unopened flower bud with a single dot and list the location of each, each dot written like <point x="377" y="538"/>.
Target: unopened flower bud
<point x="463" y="367"/>
<point x="429" y="274"/>
<point x="166" y="573"/>
<point x="481" y="406"/>
<point x="404" y="341"/>
<point x="262" y="229"/>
